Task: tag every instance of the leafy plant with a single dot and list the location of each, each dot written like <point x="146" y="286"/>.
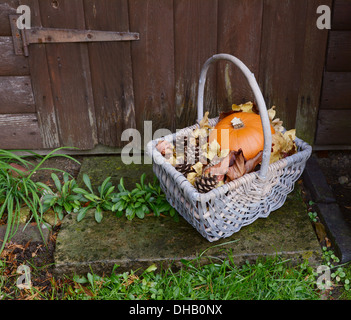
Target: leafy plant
<point x="63" y="200"/>
<point x="101" y="202"/>
<point x="313" y="216"/>
<point x="142" y="200"/>
<point x="17" y="189"/>
<point x="338" y="273"/>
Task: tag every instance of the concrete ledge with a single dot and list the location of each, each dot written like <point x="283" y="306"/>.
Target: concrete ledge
<point x="316" y="183"/>
<point x="338" y="232"/>
<point x="30" y="233"/>
<point x="87" y="245"/>
<point x="328" y="210"/>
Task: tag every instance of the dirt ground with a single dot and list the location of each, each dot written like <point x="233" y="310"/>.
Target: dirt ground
<point x="336" y="166"/>
<point x="60" y="163"/>
<point x="37" y="255"/>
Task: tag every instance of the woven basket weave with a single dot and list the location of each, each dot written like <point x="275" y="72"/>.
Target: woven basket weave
<point x="226" y="209"/>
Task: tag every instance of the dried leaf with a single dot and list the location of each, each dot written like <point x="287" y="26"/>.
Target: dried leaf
<point x="200" y="132"/>
<point x="277" y="124"/>
<point x="236" y="166"/>
<point x="246" y="107"/>
<point x="251" y="164"/>
<point x="283" y="145"/>
<point x="165" y="148"/>
<point x="271" y="113"/>
<point x="191" y="177"/>
<point x="213" y="148"/>
<point x="320" y="231"/>
<point x="204" y="121"/>
<point x="198" y="168"/>
<point x="233" y="166"/>
<point x="221" y="168"/>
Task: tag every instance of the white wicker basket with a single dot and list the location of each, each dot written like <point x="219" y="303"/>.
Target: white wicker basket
<point x="226" y="209"/>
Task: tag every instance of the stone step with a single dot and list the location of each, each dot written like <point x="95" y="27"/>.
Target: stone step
<point x="87" y="246"/>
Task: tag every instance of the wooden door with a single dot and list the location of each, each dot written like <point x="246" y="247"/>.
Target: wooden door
<point x="67" y="94"/>
<point x="84" y="91"/>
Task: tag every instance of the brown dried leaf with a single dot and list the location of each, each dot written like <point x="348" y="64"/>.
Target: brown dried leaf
<point x="251" y="164"/>
<point x="233" y="166"/>
<point x="165" y="148"/>
<point x="283" y="145"/>
<point x="320" y="231"/>
<point x="221" y="168"/>
<point x="204" y="121"/>
<point x="236" y="166"/>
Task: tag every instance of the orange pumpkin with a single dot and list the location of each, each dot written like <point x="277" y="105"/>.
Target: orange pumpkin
<point x="241" y="130"/>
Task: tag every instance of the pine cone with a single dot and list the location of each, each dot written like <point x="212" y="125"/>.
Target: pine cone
<point x="184" y="168"/>
<point x="206" y="183"/>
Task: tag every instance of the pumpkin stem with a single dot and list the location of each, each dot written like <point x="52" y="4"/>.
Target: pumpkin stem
<point x="237" y="123"/>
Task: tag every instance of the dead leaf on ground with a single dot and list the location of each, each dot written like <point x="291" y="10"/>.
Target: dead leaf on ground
<point x="320" y="231"/>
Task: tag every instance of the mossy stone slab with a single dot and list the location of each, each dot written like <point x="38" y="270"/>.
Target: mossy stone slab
<point x="98" y="168"/>
<point x="88" y="245"/>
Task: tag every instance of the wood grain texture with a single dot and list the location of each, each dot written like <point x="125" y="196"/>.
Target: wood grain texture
<point x="70" y="76"/>
<point x="11" y="64"/>
<point x="339" y="51"/>
<point x="341" y="15"/>
<point x="239" y="34"/>
<point x="111" y="71"/>
<point x="7" y="7"/>
<point x="195" y="33"/>
<point x="311" y="74"/>
<point x="20" y="131"/>
<point x="336" y="93"/>
<point x="16" y="95"/>
<point x="281" y="59"/>
<point x="41" y="83"/>
<point x="334" y="127"/>
<point x="153" y="62"/>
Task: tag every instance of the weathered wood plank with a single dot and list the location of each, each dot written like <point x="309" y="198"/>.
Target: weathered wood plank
<point x="70" y="76"/>
<point x="239" y="34"/>
<point x="336" y="93"/>
<point x="56" y="35"/>
<point x="195" y="33"/>
<point x="10" y="64"/>
<point x="7" y="7"/>
<point x="16" y="95"/>
<point x="111" y="71"/>
<point x="341" y="15"/>
<point x="153" y="62"/>
<point x="41" y="83"/>
<point x="281" y="55"/>
<point x="311" y="74"/>
<point x="339" y="51"/>
<point x="19" y="131"/>
<point x="334" y="127"/>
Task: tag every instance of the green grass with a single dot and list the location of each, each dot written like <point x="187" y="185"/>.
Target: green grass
<point x="269" y="278"/>
<point x="266" y="279"/>
<point x="17" y="189"/>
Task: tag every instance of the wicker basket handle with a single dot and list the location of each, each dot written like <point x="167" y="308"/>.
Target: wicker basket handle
<point x="259" y="100"/>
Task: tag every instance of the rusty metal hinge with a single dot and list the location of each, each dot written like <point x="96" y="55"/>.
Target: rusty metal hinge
<point x="24" y="37"/>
